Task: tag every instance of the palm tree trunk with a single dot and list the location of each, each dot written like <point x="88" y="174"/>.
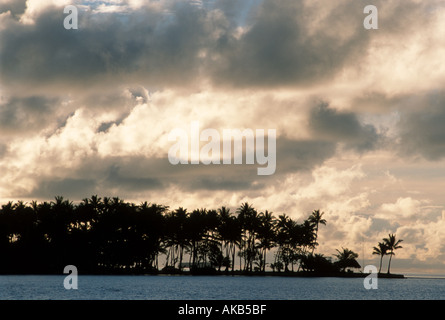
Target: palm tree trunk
<point x="193" y="253"/>
<point x="389" y="264"/>
<point x="316" y="235"/>
<point x="240" y="262"/>
<point x="180" y="258"/>
<point x="233" y="257"/>
<point x="264" y="260"/>
<point x="167" y="258"/>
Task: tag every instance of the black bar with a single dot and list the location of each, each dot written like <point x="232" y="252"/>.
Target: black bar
<point x="220" y="309"/>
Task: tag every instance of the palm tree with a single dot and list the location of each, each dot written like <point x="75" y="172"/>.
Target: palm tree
<point x="308" y="236"/>
<point x="316" y="219"/>
<point x="347" y="259"/>
<point x="392" y="245"/>
<point x="283" y="230"/>
<point x="178" y="219"/>
<point x="229" y="232"/>
<point x="250" y="222"/>
<point x="196" y="231"/>
<point x="266" y="236"/>
<point x="380" y="250"/>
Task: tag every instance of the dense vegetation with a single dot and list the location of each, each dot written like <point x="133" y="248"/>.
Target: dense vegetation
<point x="112" y="236"/>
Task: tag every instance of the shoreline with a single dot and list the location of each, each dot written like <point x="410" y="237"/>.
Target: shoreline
<point x="299" y="274"/>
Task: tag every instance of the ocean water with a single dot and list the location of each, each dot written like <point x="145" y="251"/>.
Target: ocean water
<point x="36" y="287"/>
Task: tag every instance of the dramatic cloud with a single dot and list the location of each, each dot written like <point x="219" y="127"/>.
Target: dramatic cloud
<point x="358" y="113"/>
<point x="421" y="126"/>
<point x="19" y="116"/>
<point x="343" y="127"/>
<point x="283" y="47"/>
<point x="147" y="46"/>
<point x="15" y="7"/>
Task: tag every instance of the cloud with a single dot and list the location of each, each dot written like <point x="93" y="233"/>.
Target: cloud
<point x="301" y="155"/>
<point x="88" y="111"/>
<point x="16" y="7"/>
<point x="75" y="188"/>
<point x="403" y="208"/>
<point x="178" y="44"/>
<point x="117" y="180"/>
<point x="421" y="126"/>
<point x="280" y="47"/>
<point x="24" y="115"/>
<point x="148" y="46"/>
<point x="344" y="127"/>
<point x="3" y="150"/>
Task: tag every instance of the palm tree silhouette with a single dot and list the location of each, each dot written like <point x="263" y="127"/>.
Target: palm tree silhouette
<point x="248" y="218"/>
<point x="266" y="236"/>
<point x="316" y="219"/>
<point x="108" y="235"/>
<point x="380" y="250"/>
<point x="229" y="231"/>
<point x="392" y="245"/>
<point x="284" y="229"/>
<point x="347" y="259"/>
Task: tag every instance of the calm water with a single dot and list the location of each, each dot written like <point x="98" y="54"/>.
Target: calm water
<point x="216" y="287"/>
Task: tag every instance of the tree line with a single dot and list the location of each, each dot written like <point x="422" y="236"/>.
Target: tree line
<point x="109" y="235"/>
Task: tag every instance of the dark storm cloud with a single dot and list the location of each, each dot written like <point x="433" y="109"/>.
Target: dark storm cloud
<point x="175" y="48"/>
<point x="140" y="173"/>
<point x="302" y="155"/>
<point x="421" y="127"/>
<point x="29" y="114"/>
<point x="73" y="187"/>
<point x="128" y="182"/>
<point x="182" y="44"/>
<point x="419" y="130"/>
<point x="280" y="48"/>
<point x="342" y="127"/>
<point x="16" y="7"/>
<point x="222" y="183"/>
<point x="96" y="175"/>
<point x="166" y="49"/>
<point x="127" y="174"/>
<point x="376" y="101"/>
<point x="149" y="47"/>
<point x="3" y="150"/>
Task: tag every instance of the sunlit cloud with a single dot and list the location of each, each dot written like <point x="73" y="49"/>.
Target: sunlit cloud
<point x="358" y="114"/>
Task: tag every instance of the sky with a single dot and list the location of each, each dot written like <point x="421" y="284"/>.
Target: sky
<point x="358" y="113"/>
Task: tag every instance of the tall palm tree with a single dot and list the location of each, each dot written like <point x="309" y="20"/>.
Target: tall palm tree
<point x="266" y="235"/>
<point x="250" y="222"/>
<point x="288" y="239"/>
<point x="316" y="219"/>
<point x="380" y="250"/>
<point x="180" y="215"/>
<point x="229" y="234"/>
<point x="393" y="244"/>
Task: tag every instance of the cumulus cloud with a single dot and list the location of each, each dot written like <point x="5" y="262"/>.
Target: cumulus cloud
<point x="22" y="115"/>
<point x="148" y="46"/>
<point x="358" y="113"/>
<point x="280" y="48"/>
<point x="345" y="127"/>
<point x="15" y="7"/>
<point x="274" y="43"/>
<point x="421" y="129"/>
